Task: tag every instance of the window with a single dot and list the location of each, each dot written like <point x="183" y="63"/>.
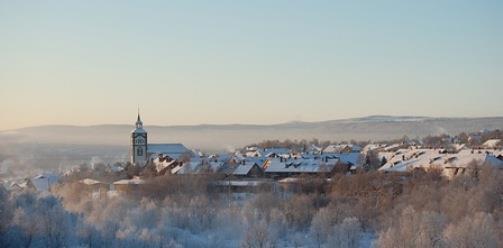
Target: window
<point x="139" y="151"/>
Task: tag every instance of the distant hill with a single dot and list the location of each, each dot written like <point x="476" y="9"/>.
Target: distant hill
<point x="218" y="137"/>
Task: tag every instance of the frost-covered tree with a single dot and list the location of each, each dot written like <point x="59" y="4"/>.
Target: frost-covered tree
<point x="258" y="235"/>
<point x="475" y="231"/>
<point x="299" y="211"/>
<point x="5" y="214"/>
<point x="414" y="229"/>
<point x="346" y="234"/>
<point x="322" y="225"/>
<point x="56" y="222"/>
<point x="41" y="221"/>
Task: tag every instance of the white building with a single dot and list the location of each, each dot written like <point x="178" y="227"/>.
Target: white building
<point x="451" y="164"/>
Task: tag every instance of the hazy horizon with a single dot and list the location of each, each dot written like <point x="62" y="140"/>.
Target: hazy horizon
<point x="250" y="124"/>
<point x="261" y="62"/>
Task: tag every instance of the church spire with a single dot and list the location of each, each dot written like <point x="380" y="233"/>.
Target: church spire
<point x="139" y="123"/>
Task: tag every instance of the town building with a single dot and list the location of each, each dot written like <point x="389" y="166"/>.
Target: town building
<point x="141" y="151"/>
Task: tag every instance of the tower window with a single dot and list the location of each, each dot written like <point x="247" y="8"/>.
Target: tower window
<point x="139" y="152"/>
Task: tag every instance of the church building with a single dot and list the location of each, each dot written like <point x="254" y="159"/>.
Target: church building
<point x="141" y="151"/>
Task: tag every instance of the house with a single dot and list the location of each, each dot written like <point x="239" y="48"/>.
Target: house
<point x="163" y="163"/>
<point x="494" y="161"/>
<point x="276" y="152"/>
<point x="371" y="147"/>
<point x="252" y="152"/>
<point x="197" y="166"/>
<point x="492" y="144"/>
<point x="314" y="150"/>
<point x="281" y="167"/>
<point x="213" y="166"/>
<point x="351" y="158"/>
<point x="94" y="188"/>
<point x="343" y="148"/>
<point x="189" y="167"/>
<point x="248" y="169"/>
<point x="394" y="147"/>
<point x="220" y="157"/>
<point x="20" y="186"/>
<point x="44" y="182"/>
<point x="128" y="185"/>
<point x="451" y="164"/>
<point x="244" y="186"/>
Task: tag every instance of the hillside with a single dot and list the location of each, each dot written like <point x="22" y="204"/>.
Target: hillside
<point x="217" y="137"/>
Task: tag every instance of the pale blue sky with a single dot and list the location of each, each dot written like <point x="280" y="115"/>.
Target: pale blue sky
<point x="192" y="62"/>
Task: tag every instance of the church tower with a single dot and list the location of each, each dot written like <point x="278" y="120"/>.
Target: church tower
<point x="138" y="150"/>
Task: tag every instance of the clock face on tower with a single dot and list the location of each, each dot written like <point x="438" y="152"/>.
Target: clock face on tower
<point x="139" y="141"/>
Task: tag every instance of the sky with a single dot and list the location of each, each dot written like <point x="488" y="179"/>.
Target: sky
<point x="219" y="62"/>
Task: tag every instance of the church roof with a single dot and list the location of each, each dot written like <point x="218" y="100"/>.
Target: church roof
<point x="175" y="150"/>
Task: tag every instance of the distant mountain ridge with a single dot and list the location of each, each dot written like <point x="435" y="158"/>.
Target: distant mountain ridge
<point x="215" y="136"/>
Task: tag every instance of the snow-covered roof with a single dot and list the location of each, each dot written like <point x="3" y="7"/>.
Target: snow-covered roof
<point x="173" y="150"/>
<point x="259" y="160"/>
<point x="44" y="181"/>
<point x="371" y="147"/>
<point x="408" y="159"/>
<point x="341" y="148"/>
<point x="176" y="169"/>
<point x="187" y="167"/>
<point x="222" y="157"/>
<point x="162" y="162"/>
<point x="215" y="166"/>
<point x="495" y="161"/>
<point x="89" y="181"/>
<point x="244" y="169"/>
<point x="279" y="151"/>
<point x="255" y="153"/>
<point x="353" y="158"/>
<point x="135" y="180"/>
<point x="239" y="183"/>
<point x="459" y="147"/>
<point x="238" y="156"/>
<point x="303" y="165"/>
<point x="313" y="149"/>
<point x="332" y="149"/>
<point x="393" y="147"/>
<point x="116" y="167"/>
<point x="197" y="166"/>
<point x="492" y="143"/>
<point x="289" y="180"/>
<point x="18" y="184"/>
